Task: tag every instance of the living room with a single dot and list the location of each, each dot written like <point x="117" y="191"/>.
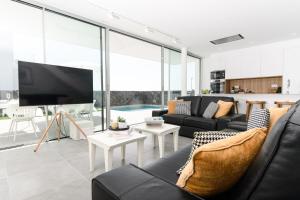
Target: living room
<point x="198" y="103"/>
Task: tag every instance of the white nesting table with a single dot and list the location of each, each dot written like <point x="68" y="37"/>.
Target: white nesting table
<point x="108" y="141"/>
<point x="160" y="132"/>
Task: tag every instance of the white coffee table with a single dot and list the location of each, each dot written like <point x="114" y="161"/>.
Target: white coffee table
<point x="108" y="141"/>
<point x="160" y="132"/>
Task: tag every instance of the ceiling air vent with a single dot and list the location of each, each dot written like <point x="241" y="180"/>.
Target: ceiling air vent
<point x="227" y="39"/>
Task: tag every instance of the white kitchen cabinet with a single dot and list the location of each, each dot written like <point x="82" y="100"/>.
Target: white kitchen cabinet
<point x="272" y="61"/>
<point x="232" y="65"/>
<point x="292" y="70"/>
<point x="243" y="64"/>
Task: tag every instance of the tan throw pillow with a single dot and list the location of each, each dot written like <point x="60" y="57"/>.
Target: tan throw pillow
<point x="172" y="106"/>
<point x="224" y="108"/>
<point x="217" y="166"/>
<point x="275" y="115"/>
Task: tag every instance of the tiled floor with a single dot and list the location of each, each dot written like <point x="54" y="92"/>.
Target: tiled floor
<point x="60" y="170"/>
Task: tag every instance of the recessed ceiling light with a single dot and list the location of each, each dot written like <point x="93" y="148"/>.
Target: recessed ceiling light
<point x="148" y="30"/>
<point x="174" y="40"/>
<point x="227" y="39"/>
<point x="293" y="34"/>
<point x="113" y="15"/>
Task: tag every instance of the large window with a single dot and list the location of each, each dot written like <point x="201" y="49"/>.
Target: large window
<point x="135" y="78"/>
<point x="31" y="34"/>
<point x="172" y="75"/>
<point x="21" y="39"/>
<point x="193" y="69"/>
<point x="77" y="44"/>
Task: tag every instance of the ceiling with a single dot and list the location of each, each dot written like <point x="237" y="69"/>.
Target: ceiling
<point x="195" y="22"/>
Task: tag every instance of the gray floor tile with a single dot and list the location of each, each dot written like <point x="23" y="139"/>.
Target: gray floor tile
<point x="4" y="189"/>
<point x="60" y="170"/>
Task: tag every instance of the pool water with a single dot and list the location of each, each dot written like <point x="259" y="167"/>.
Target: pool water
<point x="135" y="107"/>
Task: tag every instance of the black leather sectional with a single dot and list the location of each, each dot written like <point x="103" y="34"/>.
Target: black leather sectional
<point x="195" y="122"/>
<point x="274" y="174"/>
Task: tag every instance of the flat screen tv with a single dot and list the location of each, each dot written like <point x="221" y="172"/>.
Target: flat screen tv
<point x="43" y="84"/>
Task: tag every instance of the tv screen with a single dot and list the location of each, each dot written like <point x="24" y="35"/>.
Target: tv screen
<point x="43" y="84"/>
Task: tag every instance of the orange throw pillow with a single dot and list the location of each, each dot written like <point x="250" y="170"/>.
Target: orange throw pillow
<point x="275" y="115"/>
<point x="172" y="106"/>
<point x="224" y="108"/>
<point x="217" y="166"/>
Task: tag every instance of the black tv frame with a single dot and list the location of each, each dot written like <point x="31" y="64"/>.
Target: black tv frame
<point x="64" y="79"/>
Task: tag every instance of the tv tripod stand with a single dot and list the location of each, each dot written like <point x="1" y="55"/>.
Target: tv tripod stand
<point x="58" y="117"/>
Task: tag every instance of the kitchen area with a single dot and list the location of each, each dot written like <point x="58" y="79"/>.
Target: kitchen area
<point x="260" y="73"/>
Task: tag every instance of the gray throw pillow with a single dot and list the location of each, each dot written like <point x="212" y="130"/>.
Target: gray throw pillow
<point x="183" y="108"/>
<point x="211" y="110"/>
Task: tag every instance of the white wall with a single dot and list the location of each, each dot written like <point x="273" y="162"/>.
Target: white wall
<point x="280" y="58"/>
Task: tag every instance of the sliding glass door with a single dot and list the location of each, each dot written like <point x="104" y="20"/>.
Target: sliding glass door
<point x="135" y="78"/>
<point x="77" y="44"/>
<point x="193" y="76"/>
<point x="172" y="75"/>
<point x="21" y="39"/>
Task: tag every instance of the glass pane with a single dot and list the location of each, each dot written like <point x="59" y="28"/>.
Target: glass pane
<point x="18" y="42"/>
<point x="192" y="65"/>
<point x="172" y="75"/>
<point x="76" y="44"/>
<point x="135" y="78"/>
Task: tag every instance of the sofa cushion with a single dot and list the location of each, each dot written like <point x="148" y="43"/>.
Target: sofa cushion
<point x="224" y="108"/>
<point x="195" y="103"/>
<point x="200" y="122"/>
<point x="166" y="168"/>
<point x="130" y="182"/>
<point x="259" y="118"/>
<point x="183" y="108"/>
<point x="172" y="106"/>
<point x="205" y="101"/>
<point x="275" y="115"/>
<point x="211" y="110"/>
<point x="174" y="118"/>
<point x="217" y="166"/>
<point x="201" y="138"/>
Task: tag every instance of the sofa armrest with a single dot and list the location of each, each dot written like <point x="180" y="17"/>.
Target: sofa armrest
<point x="132" y="183"/>
<point x="158" y="113"/>
<point x="237" y="125"/>
<point x="222" y="122"/>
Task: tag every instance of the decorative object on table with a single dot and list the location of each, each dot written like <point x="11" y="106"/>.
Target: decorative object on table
<point x="114" y="125"/>
<point x="119" y="125"/>
<point x="154" y="121"/>
<point x="119" y="129"/>
<point x="122" y="123"/>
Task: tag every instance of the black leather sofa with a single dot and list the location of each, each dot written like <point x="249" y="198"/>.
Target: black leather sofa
<point x="195" y="122"/>
<point x="274" y="174"/>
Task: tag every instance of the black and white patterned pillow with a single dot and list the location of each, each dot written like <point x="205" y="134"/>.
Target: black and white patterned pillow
<point x="183" y="108"/>
<point x="201" y="138"/>
<point x="259" y="118"/>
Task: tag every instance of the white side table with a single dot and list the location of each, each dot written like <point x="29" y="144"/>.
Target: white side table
<point x="160" y="132"/>
<point x="108" y="141"/>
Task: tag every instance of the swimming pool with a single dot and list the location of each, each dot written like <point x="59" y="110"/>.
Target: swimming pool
<point x="129" y="108"/>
